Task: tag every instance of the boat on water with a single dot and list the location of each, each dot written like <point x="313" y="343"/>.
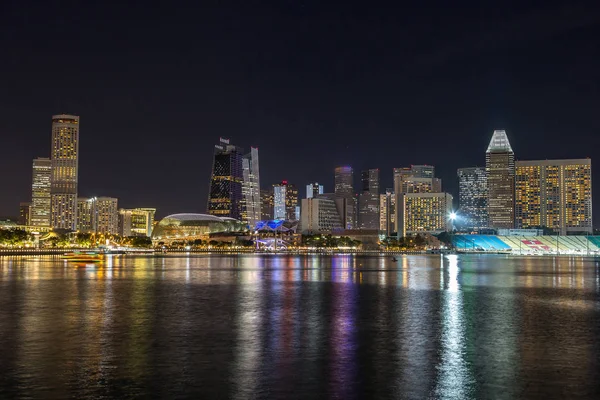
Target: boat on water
<point x="83" y="256"/>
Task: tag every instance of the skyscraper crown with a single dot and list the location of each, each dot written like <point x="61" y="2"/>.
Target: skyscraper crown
<point x="499" y="142"/>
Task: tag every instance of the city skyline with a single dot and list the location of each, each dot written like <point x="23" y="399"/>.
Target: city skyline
<point x="371" y="94"/>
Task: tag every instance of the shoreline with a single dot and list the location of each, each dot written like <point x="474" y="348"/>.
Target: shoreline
<point x="141" y="252"/>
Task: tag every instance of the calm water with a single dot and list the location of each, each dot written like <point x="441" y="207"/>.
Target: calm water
<point x="300" y="327"/>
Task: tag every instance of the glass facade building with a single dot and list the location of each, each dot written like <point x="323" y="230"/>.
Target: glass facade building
<point x="473" y="197"/>
<point x="368" y="200"/>
<point x="183" y="227"/>
<point x="65" y="161"/>
<point x="225" y="193"/>
<point x="555" y="194"/>
<point x="313" y="190"/>
<point x="285" y="201"/>
<point x="344" y="189"/>
<point x="251" y="204"/>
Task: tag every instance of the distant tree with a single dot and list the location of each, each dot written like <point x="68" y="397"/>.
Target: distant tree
<point x="141" y="241"/>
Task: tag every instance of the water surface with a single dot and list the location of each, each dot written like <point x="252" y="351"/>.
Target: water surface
<point x="341" y="327"/>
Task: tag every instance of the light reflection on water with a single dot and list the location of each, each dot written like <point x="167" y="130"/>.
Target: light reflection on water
<point x="300" y="327"/>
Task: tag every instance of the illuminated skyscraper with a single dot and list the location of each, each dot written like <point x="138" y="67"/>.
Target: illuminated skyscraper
<point x="98" y="215"/>
<point x="556" y="194"/>
<point x="87" y="214"/>
<point x="313" y="190"/>
<point x="40" y="192"/>
<point x="368" y="200"/>
<point x="107" y="215"/>
<point x="387" y="212"/>
<point x="423" y="213"/>
<point x="251" y="188"/>
<point x="344" y="189"/>
<point x="65" y="161"/>
<point x="266" y="204"/>
<point x="285" y="199"/>
<point x="473" y="197"/>
<point x="500" y="171"/>
<point x="225" y="194"/>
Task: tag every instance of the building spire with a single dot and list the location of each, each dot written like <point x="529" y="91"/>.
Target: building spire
<point x="499" y="142"/>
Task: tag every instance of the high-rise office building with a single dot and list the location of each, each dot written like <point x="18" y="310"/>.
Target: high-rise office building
<point x="225" y="194"/>
<point x="313" y="190"/>
<point x="500" y="171"/>
<point x="473" y="197"/>
<point x="344" y="182"/>
<point x="65" y="161"/>
<point x="387" y="211"/>
<point x="368" y="200"/>
<point x="40" y="192"/>
<point x="86" y="214"/>
<point x="344" y="189"/>
<point x="251" y="188"/>
<point x="320" y="215"/>
<point x="285" y="201"/>
<point x="416" y="179"/>
<point x="136" y="221"/>
<point x="98" y="215"/>
<point x="415" y="171"/>
<point x="25" y="214"/>
<point x="107" y="215"/>
<point x="266" y="204"/>
<point x="556" y="194"/>
<point x="423" y="213"/>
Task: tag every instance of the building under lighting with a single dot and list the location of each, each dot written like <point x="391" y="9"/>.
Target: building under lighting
<point x="500" y="171"/>
<point x="313" y="190"/>
<point x="344" y="189"/>
<point x="136" y="221"/>
<point x="225" y="194"/>
<point x="266" y="204"/>
<point x="473" y="197"/>
<point x="98" y="215"/>
<point x="251" y="204"/>
<point x="65" y="159"/>
<point x="320" y="215"/>
<point x="387" y="212"/>
<point x="368" y="200"/>
<point x="556" y="194"/>
<point x="423" y="213"/>
<point x="40" y="192"/>
<point x="285" y="201"/>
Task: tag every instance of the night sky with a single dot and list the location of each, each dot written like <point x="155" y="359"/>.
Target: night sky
<point x="312" y="85"/>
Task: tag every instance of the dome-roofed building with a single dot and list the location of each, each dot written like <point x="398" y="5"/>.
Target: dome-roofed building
<point x="180" y="227"/>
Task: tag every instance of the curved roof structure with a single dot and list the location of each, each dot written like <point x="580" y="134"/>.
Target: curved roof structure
<point x="186" y="226"/>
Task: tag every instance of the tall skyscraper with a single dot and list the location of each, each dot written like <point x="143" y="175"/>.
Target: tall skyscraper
<point x="266" y="204"/>
<point x="423" y="213"/>
<point x="313" y="190"/>
<point x="368" y="200"/>
<point x="251" y="188"/>
<point x="344" y="189"/>
<point x="285" y="199"/>
<point x="136" y="221"/>
<point x="344" y="182"/>
<point x="473" y="197"/>
<point x="40" y="192"/>
<point x="387" y="211"/>
<point x="556" y="194"/>
<point x="225" y="194"/>
<point x="500" y="171"/>
<point x="65" y="161"/>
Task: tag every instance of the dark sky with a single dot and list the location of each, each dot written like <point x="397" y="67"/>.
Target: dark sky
<point x="312" y="84"/>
